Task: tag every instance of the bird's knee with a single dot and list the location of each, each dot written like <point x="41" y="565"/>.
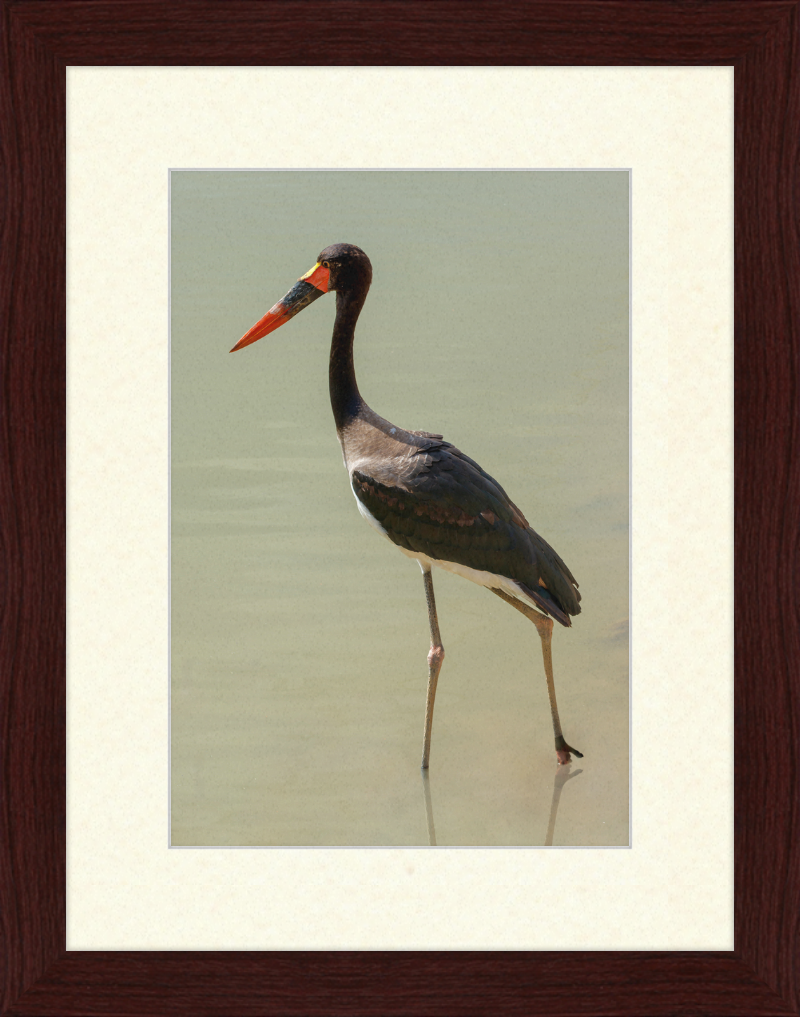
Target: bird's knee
<point x="435" y="656"/>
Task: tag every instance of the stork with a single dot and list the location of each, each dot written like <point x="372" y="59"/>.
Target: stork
<point x="423" y="494"/>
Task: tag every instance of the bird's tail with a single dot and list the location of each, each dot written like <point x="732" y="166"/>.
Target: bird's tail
<point x="559" y="583"/>
<point x="546" y="603"/>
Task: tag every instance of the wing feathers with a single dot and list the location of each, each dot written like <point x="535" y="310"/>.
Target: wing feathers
<point x="444" y="506"/>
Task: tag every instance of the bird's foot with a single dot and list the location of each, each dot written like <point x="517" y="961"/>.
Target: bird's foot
<point x="563" y="751"/>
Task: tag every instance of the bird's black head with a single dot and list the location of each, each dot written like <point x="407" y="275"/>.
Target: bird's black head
<point x="349" y="267"/>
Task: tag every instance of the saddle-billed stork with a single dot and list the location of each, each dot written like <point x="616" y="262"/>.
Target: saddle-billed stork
<point x="423" y="494"/>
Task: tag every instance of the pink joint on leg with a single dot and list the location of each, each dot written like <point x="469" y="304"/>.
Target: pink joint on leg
<point x="435" y="657"/>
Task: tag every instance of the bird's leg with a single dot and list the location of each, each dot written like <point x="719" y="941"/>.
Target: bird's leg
<point x="544" y="626"/>
<point x="435" y="658"/>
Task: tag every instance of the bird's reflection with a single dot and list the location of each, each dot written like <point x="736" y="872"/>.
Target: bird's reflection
<point x="562" y="775"/>
<point x="426" y="790"/>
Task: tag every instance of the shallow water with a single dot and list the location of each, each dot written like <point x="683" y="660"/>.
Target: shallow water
<point x="498" y="316"/>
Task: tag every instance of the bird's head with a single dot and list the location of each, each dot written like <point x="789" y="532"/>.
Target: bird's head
<point x="341" y="267"/>
<point x="348" y="267"/>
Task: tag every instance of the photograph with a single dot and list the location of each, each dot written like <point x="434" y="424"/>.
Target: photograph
<point x="399" y="544"/>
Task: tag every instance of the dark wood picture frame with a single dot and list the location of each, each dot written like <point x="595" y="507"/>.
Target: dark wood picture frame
<point x="761" y="39"/>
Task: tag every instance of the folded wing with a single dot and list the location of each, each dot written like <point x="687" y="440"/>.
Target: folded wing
<point x="443" y="505"/>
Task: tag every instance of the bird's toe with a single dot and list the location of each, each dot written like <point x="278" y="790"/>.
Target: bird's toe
<point x="563" y="752"/>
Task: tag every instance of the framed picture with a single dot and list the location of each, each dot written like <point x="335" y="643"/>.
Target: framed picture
<point x="757" y="976"/>
<point x="521" y="357"/>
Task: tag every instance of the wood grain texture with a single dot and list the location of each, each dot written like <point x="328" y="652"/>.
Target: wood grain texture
<point x="762" y="40"/>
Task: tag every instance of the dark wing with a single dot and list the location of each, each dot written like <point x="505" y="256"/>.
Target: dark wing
<point x="445" y="506"/>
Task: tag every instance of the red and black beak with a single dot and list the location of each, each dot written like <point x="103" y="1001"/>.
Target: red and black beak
<point x="312" y="285"/>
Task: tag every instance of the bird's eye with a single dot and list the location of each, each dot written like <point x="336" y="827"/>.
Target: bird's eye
<point x="326" y="264"/>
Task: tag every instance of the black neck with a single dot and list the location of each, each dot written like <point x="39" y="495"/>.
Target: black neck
<point x="345" y="398"/>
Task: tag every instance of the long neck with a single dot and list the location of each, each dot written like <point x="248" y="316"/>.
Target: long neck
<point x="345" y="398"/>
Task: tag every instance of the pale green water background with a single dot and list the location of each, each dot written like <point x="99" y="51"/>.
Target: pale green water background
<point x="498" y="316"/>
